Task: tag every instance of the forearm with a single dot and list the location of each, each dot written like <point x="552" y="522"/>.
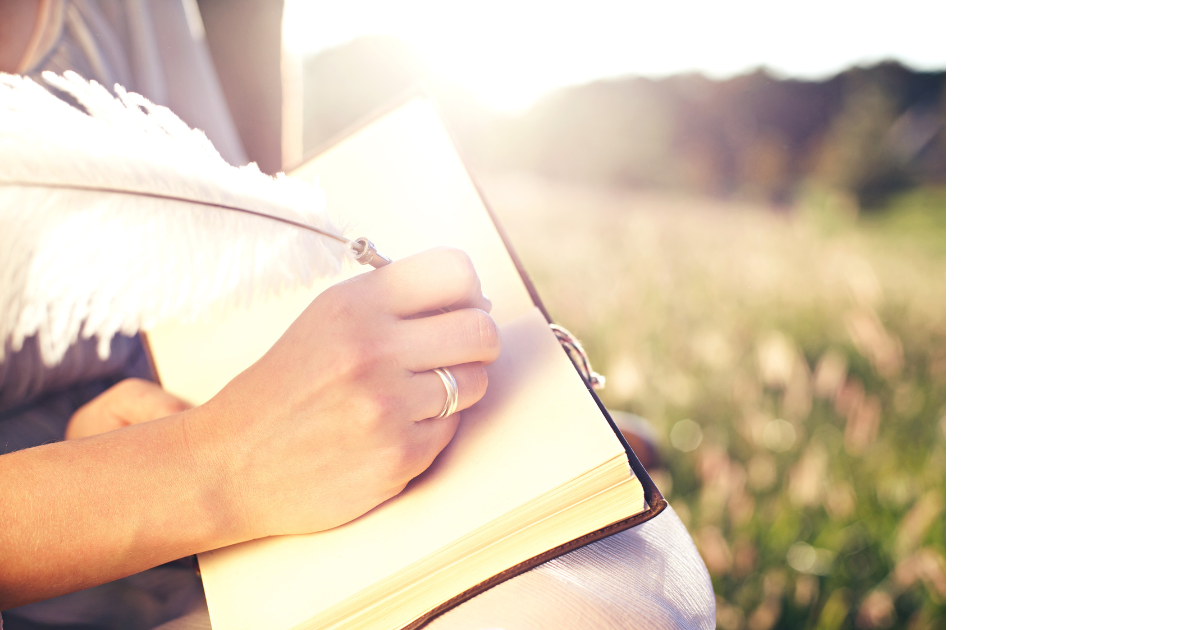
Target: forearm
<point x="338" y="416"/>
<point x="79" y="513"/>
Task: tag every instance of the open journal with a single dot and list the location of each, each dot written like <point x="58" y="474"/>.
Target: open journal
<point x="535" y="470"/>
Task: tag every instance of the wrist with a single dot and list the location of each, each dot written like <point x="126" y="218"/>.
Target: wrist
<point x="212" y="455"/>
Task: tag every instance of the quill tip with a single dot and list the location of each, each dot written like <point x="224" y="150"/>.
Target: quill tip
<point x="366" y="254"/>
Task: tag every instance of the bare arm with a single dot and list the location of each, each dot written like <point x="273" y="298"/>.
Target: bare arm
<point x="89" y="511"/>
<point x="18" y="20"/>
<point x="332" y="421"/>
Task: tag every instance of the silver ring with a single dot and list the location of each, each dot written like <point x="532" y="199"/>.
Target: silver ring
<point x="451" y="404"/>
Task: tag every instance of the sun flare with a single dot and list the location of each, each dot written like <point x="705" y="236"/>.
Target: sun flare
<point x="509" y="54"/>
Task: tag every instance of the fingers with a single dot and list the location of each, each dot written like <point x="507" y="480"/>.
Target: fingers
<point x="435" y="279"/>
<point x="424" y="439"/>
<point x="418" y="435"/>
<point x="421" y="443"/>
<point x="471" y="379"/>
<point x="463" y="336"/>
<point x="136" y="400"/>
<point x="132" y="401"/>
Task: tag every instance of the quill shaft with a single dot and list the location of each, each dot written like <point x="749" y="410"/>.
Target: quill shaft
<point x="186" y="200"/>
<point x="132" y="189"/>
<point x="364" y="250"/>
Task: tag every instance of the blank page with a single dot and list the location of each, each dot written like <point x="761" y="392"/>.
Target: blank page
<point x="397" y="181"/>
<point x="536" y="428"/>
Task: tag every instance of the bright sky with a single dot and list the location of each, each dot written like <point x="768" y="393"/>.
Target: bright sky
<point x="510" y="52"/>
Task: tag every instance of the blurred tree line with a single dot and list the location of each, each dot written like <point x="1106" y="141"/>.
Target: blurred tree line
<point x="868" y="131"/>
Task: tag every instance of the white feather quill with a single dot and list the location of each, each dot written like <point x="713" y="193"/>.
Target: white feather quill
<point x="121" y="216"/>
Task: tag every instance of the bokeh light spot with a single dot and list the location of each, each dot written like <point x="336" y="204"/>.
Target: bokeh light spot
<point x="686" y="435"/>
<point x="779" y="435"/>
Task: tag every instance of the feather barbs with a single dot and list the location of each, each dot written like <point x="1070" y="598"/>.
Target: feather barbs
<point x="121" y="215"/>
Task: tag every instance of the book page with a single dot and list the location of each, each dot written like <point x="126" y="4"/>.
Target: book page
<point x="398" y="182"/>
<point x="536" y="429"/>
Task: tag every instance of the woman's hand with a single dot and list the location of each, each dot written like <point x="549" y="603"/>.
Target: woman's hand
<point x="337" y="417"/>
<point x="132" y="401"/>
<point x="332" y="421"/>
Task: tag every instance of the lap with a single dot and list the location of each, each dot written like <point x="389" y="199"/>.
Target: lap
<point x="649" y="576"/>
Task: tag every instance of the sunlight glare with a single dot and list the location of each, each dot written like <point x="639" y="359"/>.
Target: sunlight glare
<point x="509" y="54"/>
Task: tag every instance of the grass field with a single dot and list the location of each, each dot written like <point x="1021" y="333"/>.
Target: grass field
<point x="792" y="364"/>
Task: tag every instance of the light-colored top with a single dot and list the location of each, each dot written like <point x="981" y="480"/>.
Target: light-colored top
<point x="649" y="576"/>
<point x="155" y="48"/>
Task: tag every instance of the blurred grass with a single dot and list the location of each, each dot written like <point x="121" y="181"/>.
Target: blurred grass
<point x="793" y="364"/>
